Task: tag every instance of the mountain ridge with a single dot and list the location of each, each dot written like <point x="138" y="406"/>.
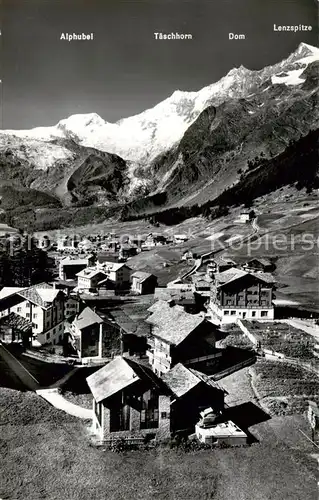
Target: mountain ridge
<point x="211" y="137"/>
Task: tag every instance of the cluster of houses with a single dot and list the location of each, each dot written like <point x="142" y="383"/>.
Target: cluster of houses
<point x="153" y="352"/>
<point x="124" y="247"/>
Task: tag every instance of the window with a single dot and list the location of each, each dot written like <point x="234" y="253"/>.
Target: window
<point x="60" y="327"/>
<point x="48" y="335"/>
<point x="28" y="305"/>
<point x="53" y="331"/>
<point x="232" y="313"/>
<point x="253" y="314"/>
<point x="35" y="315"/>
<point x="264" y="314"/>
<point x="164" y="414"/>
<point x="226" y="313"/>
<point x="27" y="315"/>
<point x="34" y="325"/>
<point x="19" y="309"/>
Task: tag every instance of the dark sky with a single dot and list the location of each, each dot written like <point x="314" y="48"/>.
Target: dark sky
<point x="124" y="70"/>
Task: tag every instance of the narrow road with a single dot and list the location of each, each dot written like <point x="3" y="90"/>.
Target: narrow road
<point x="26" y="378"/>
<point x="199" y="262"/>
<point x="56" y="399"/>
<point x="51" y="395"/>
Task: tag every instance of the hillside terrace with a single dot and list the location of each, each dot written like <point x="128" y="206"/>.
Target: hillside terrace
<point x="283" y="338"/>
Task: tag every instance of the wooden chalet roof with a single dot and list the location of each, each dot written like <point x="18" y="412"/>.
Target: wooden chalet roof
<point x="17" y="322"/>
<point x="234" y="274"/>
<point x="87" y="318"/>
<point x="181" y="380"/>
<point x="117" y="375"/>
<point x="173" y="324"/>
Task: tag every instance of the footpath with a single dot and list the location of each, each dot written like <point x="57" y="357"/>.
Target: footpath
<point x="52" y="394"/>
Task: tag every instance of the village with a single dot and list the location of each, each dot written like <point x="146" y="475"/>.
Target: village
<point x="152" y="357"/>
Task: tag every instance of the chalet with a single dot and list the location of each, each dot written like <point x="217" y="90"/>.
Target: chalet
<point x="180" y="238"/>
<point x="133" y="331"/>
<point x="143" y="283"/>
<point x="185" y="298"/>
<point x="176" y="336"/>
<point x="71" y="306"/>
<point x="238" y="294"/>
<point x="219" y="264"/>
<point x="90" y="336"/>
<point x="67" y="244"/>
<point x="136" y="240"/>
<point x="68" y="267"/>
<point x="90" y="277"/>
<point x="119" y="273"/>
<point x="188" y="255"/>
<point x="131" y="401"/>
<point x="259" y="264"/>
<point x="246" y="216"/>
<point x="202" y="284"/>
<point x="152" y="240"/>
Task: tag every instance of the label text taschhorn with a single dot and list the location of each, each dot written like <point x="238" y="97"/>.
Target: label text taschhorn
<point x="173" y="36"/>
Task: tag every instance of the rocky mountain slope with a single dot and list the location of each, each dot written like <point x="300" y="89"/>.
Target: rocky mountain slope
<point x="192" y="146"/>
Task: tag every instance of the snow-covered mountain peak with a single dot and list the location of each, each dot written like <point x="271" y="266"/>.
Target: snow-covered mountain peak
<point x="140" y="138"/>
<point x="305" y="49"/>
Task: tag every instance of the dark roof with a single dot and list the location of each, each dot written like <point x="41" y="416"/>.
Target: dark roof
<point x="180" y="296"/>
<point x="107" y="257"/>
<point x="119" y="374"/>
<point x="87" y="318"/>
<point x="173" y="324"/>
<point x="13" y="320"/>
<point x="181" y="379"/>
<point x="131" y="323"/>
<point x="220" y="260"/>
<point x="263" y="261"/>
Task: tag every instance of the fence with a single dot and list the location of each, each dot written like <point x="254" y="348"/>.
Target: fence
<point x="313" y="367"/>
<point x="233" y="368"/>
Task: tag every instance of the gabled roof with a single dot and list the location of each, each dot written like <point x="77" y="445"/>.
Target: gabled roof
<point x="181" y="380"/>
<point x="172" y="323"/>
<point x="263" y="261"/>
<point x="16" y="321"/>
<point x="119" y="374"/>
<point x="128" y="323"/>
<point x="142" y="276"/>
<point x="220" y="260"/>
<point x="41" y="294"/>
<point x="7" y="291"/>
<point x="229" y="275"/>
<point x="87" y="318"/>
<point x="179" y="295"/>
<point x="235" y="274"/>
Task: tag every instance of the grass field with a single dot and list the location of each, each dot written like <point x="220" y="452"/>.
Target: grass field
<point x="46" y="454"/>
